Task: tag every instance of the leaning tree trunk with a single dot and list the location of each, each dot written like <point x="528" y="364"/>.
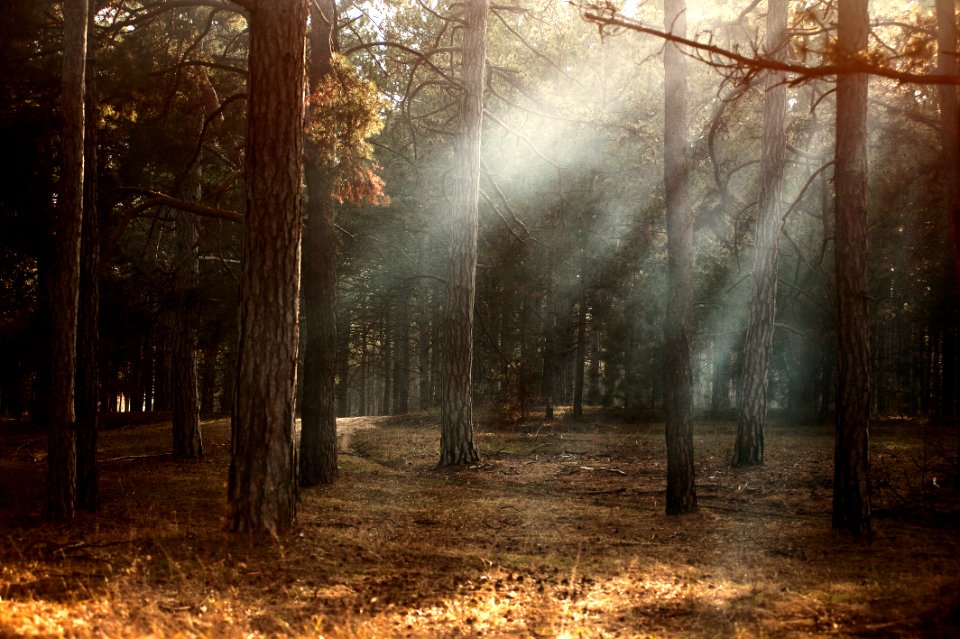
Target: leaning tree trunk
<point x="758" y="346"/>
<point x="262" y="482"/>
<point x="88" y="333"/>
<point x="851" y="500"/>
<point x="678" y="325"/>
<point x="318" y="438"/>
<point x="456" y="405"/>
<point x="65" y="285"/>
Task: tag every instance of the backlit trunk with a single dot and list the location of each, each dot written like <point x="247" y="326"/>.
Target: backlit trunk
<point x="851" y="499"/>
<point x="456" y="402"/>
<point x="678" y="324"/>
<point x="763" y="297"/>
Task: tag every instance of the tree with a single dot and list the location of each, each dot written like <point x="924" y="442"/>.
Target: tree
<point x="318" y="438"/>
<point x="456" y="402"/>
<point x="262" y="482"/>
<point x="851" y="499"/>
<point x="678" y="323"/>
<point x="763" y="293"/>
<point x="88" y="333"/>
<point x="187" y="441"/>
<point x="948" y="63"/>
<point x="65" y="287"/>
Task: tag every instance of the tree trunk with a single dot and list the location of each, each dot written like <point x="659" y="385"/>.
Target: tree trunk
<point x="262" y="483"/>
<point x="581" y="363"/>
<point x="949" y="64"/>
<point x="456" y="407"/>
<point x="187" y="442"/>
<point x="550" y="353"/>
<point x="318" y="439"/>
<point x="593" y="390"/>
<point x="88" y="333"/>
<point x="343" y="364"/>
<point x="851" y="500"/>
<point x="65" y="284"/>
<point x="678" y="325"/>
<point x="401" y="360"/>
<point x="758" y="346"/>
<point x="425" y="346"/>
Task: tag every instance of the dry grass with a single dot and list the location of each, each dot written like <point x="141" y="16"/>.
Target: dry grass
<point x="559" y="532"/>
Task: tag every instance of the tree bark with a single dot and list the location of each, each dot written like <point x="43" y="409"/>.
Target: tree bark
<point x="456" y="409"/>
<point x="581" y="363"/>
<point x="948" y="63"/>
<point x="678" y="325"/>
<point x="187" y="441"/>
<point x="65" y="285"/>
<point x="262" y="481"/>
<point x="851" y="500"/>
<point x="88" y="333"/>
<point x="401" y="360"/>
<point x="758" y="346"/>
<point x="318" y="439"/>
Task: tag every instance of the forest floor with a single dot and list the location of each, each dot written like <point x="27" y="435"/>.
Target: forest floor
<point x="558" y="532"/>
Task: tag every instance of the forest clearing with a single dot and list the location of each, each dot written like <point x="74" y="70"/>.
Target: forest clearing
<point x="558" y="532"/>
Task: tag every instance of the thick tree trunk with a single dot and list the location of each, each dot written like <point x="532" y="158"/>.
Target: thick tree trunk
<point x="65" y="284"/>
<point x="948" y="63"/>
<point x="758" y="346"/>
<point x="262" y="483"/>
<point x="318" y="439"/>
<point x="678" y="325"/>
<point x="88" y="333"/>
<point x="456" y="408"/>
<point x="851" y="499"/>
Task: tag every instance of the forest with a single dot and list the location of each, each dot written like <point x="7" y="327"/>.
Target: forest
<point x="552" y="318"/>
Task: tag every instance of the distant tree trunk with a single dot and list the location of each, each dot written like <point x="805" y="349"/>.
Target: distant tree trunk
<point x="748" y="450"/>
<point x="720" y="391"/>
<point x="401" y="360"/>
<point x="456" y="407"/>
<point x="65" y="285"/>
<point x="386" y="359"/>
<point x="593" y="390"/>
<point x="88" y="333"/>
<point x="551" y="354"/>
<point x="343" y="364"/>
<point x="425" y="345"/>
<point x="581" y="363"/>
<point x="262" y="482"/>
<point x="187" y="442"/>
<point x="318" y="439"/>
<point x="523" y="384"/>
<point x="162" y="369"/>
<point x="678" y="325"/>
<point x="851" y="499"/>
<point x="208" y="380"/>
<point x="363" y="408"/>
